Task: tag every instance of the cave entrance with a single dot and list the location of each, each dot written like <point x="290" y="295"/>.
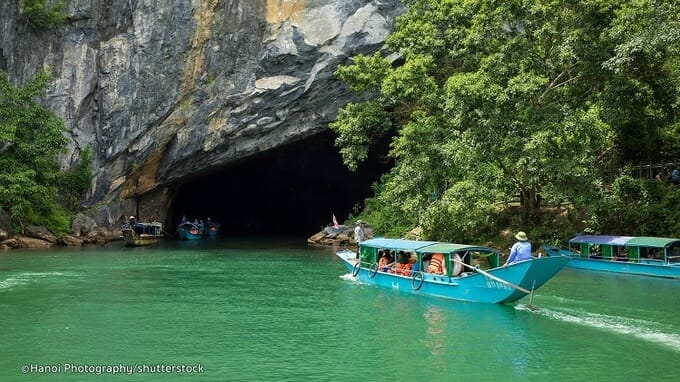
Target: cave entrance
<point x="291" y="190"/>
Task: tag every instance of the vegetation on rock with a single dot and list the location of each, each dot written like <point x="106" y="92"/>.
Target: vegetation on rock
<point x="31" y="138"/>
<point x="43" y="14"/>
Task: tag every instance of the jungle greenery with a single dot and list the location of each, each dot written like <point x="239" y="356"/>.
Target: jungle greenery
<point x="43" y="13"/>
<point x="487" y="100"/>
<point x="31" y="138"/>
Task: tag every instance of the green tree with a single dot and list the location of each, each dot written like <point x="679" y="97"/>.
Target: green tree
<point x="31" y="137"/>
<point x="76" y="181"/>
<point x="493" y="99"/>
<point x="43" y="14"/>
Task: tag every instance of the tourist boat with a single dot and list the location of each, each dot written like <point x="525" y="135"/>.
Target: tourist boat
<point x="212" y="229"/>
<point x="461" y="279"/>
<point x="638" y="255"/>
<point x="190" y="231"/>
<point x="140" y="234"/>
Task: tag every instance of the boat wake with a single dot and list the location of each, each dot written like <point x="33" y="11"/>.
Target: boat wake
<point x="348" y="277"/>
<point x="650" y="331"/>
<point x="26" y="278"/>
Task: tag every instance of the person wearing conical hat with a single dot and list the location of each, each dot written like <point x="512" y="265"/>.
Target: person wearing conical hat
<point x="520" y="251"/>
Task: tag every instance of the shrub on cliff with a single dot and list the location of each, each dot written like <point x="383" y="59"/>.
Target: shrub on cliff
<point x="31" y="137"/>
<point x="40" y="14"/>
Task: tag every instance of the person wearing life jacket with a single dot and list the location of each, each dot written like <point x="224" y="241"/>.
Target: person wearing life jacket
<point x="384" y="263"/>
<point x="437" y="264"/>
<point x="406" y="267"/>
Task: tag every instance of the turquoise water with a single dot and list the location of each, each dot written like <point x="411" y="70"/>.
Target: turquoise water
<point x="280" y="311"/>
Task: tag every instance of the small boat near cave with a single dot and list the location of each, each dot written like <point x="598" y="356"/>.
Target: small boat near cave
<point x="190" y="231"/>
<point x="212" y="229"/>
<point x="141" y="234"/>
<point x="457" y="277"/>
<point x="636" y="255"/>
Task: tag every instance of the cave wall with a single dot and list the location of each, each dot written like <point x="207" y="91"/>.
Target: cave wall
<point x="163" y="90"/>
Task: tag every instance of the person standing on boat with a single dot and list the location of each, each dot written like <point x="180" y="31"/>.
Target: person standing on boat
<point x="520" y="251"/>
<point x="359" y="235"/>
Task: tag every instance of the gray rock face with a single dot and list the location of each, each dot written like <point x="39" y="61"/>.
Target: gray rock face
<point x="165" y="89"/>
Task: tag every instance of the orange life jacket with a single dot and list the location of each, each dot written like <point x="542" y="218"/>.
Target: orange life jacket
<point x="437" y="264"/>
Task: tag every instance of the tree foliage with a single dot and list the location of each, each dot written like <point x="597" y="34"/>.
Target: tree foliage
<point x="43" y="13"/>
<point x="76" y="181"/>
<point x="493" y="99"/>
<point x="31" y="137"/>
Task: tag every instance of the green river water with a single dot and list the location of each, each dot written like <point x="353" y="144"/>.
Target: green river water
<point x="277" y="310"/>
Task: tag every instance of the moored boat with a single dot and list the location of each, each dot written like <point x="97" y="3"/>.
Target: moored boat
<point x="212" y="228"/>
<point x="637" y="255"/>
<point x="141" y="234"/>
<point x="445" y="270"/>
<point x="190" y="231"/>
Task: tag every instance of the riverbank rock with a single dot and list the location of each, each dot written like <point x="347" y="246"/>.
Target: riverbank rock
<point x="23" y="242"/>
<point x="41" y="233"/>
<point x="82" y="225"/>
<point x="3" y="235"/>
<point x="70" y="241"/>
<point x="337" y="237"/>
<point x="5" y="224"/>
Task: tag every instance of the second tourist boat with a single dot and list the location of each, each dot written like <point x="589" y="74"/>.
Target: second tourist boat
<point x="636" y="255"/>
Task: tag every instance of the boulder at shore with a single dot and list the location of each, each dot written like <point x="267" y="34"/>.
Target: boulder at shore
<point x="343" y="236"/>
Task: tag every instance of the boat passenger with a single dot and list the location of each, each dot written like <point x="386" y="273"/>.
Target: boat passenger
<point x="402" y="264"/>
<point x="520" y="251"/>
<point x="415" y="267"/>
<point x="437" y="264"/>
<point x="385" y="262"/>
<point x="426" y="262"/>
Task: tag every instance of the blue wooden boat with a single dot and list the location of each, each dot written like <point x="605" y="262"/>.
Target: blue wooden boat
<point x="140" y="234"/>
<point x="190" y="231"/>
<point x="459" y="279"/>
<point x="637" y="255"/>
<point x="212" y="229"/>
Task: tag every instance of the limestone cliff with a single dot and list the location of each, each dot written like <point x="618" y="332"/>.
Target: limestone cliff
<point x="163" y="90"/>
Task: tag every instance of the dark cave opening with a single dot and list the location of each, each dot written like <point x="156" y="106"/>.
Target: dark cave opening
<point x="289" y="191"/>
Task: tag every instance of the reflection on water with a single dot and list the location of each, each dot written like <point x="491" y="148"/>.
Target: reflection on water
<point x="436" y="326"/>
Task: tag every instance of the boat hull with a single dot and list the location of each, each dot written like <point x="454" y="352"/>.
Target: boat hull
<point x="133" y="239"/>
<point x="186" y="235"/>
<point x="643" y="267"/>
<point x="475" y="287"/>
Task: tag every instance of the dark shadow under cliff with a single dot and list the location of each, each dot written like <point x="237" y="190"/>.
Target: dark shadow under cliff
<point x="291" y="190"/>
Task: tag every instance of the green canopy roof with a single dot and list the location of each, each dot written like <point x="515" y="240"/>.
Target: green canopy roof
<point x="629" y="241"/>
<point x="450" y="248"/>
<point x="655" y="242"/>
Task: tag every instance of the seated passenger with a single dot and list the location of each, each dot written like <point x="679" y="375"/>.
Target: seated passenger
<point x="437" y="265"/>
<point x="415" y="267"/>
<point x="401" y="261"/>
<point x="384" y="263"/>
